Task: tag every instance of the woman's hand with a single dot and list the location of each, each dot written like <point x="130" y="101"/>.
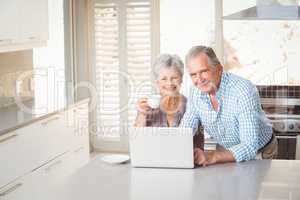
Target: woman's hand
<point x="142" y="106"/>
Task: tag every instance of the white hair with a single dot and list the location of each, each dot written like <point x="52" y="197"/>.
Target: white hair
<point x="168" y="61"/>
<point x="196" y="50"/>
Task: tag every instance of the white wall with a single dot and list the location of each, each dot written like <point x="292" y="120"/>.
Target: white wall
<point x="12" y="64"/>
<point x="185" y="24"/>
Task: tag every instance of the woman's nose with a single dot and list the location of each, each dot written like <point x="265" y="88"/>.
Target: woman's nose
<point x="169" y="81"/>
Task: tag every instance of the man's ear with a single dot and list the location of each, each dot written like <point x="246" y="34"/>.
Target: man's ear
<point x="218" y="67"/>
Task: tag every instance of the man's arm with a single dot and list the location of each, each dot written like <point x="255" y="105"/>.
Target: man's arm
<point x="190" y="118"/>
<point x="249" y="119"/>
<point x="199" y="138"/>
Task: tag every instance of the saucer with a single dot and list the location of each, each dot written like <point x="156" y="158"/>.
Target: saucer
<point x="115" y="158"/>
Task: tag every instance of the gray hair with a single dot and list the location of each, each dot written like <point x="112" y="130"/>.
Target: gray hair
<point x="196" y="50"/>
<point x="167" y="61"/>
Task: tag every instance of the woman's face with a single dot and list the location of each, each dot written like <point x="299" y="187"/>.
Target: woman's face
<point x="169" y="82"/>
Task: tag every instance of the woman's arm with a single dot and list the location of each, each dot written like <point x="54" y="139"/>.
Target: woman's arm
<point x="142" y="110"/>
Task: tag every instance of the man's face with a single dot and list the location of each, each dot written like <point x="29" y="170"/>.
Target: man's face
<point x="204" y="76"/>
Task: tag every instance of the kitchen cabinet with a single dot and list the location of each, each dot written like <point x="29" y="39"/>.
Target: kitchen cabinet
<point x="8" y="22"/>
<point x="24" y="24"/>
<point x="34" y="20"/>
<point x="53" y="128"/>
<point x="46" y="181"/>
<point x="20" y="151"/>
<point x="34" y="146"/>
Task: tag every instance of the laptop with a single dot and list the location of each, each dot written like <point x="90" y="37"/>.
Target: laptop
<point x="161" y="147"/>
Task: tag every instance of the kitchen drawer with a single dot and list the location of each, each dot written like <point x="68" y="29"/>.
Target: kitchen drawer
<point x="17" y="190"/>
<point x="20" y="152"/>
<point x="78" y="158"/>
<point x="43" y="183"/>
<point x="49" y="180"/>
<point x="55" y="136"/>
<point x="32" y="146"/>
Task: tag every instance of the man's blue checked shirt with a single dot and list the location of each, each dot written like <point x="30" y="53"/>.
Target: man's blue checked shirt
<point x="239" y="125"/>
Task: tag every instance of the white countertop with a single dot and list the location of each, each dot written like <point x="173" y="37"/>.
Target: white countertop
<point x="260" y="179"/>
<point x="14" y="117"/>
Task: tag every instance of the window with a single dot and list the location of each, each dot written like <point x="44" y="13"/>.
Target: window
<point x="123" y="40"/>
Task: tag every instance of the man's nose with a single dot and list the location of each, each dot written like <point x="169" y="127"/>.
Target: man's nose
<point x="199" y="77"/>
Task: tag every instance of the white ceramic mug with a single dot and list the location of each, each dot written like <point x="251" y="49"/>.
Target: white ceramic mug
<point x="154" y="101"/>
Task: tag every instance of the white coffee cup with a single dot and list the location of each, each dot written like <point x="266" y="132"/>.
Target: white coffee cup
<point x="154" y="101"/>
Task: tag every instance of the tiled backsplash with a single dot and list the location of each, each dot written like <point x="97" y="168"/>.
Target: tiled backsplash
<point x="279" y="91"/>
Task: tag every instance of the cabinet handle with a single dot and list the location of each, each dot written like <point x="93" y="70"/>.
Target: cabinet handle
<point x="31" y="38"/>
<point x="8" y="138"/>
<point x="50" y="120"/>
<point x="9" y="190"/>
<point x="53" y="165"/>
<point x="5" y="41"/>
<point x="286" y="137"/>
<point x="80" y="109"/>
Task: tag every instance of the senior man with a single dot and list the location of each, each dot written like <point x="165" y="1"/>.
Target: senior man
<point x="229" y="109"/>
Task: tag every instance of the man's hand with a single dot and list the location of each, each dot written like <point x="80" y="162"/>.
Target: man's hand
<point x="212" y="157"/>
<point x="199" y="156"/>
<point x="204" y="158"/>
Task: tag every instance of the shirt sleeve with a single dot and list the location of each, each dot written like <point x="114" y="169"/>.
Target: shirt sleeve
<point x="248" y="120"/>
<point x="191" y="117"/>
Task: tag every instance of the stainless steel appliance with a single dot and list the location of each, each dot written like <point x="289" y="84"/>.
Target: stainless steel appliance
<point x="282" y="106"/>
<point x="287" y="131"/>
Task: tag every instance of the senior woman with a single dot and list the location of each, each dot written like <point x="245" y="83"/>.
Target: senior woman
<point x="168" y="72"/>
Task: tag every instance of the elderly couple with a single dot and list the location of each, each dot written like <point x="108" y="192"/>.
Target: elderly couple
<point x="225" y="105"/>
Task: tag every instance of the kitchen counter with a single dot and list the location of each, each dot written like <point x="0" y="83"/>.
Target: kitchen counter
<point x="14" y="117"/>
<point x="259" y="179"/>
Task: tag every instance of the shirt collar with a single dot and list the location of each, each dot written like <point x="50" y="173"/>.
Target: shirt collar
<point x="223" y="83"/>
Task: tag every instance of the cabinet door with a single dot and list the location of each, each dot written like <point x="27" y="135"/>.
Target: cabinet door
<point x="33" y="20"/>
<point x="76" y="120"/>
<point x="9" y="21"/>
<point x="55" y="136"/>
<point x="81" y="124"/>
<point x="9" y="158"/>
